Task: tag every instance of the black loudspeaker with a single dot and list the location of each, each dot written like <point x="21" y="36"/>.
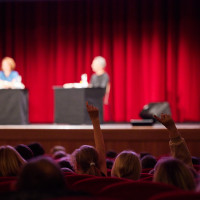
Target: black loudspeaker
<point x="156" y="108"/>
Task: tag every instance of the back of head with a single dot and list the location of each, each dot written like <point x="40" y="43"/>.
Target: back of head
<point x="111" y="154"/>
<point x="37" y="149"/>
<point x="41" y="174"/>
<point x="57" y="148"/>
<point x="127" y="165"/>
<point x="85" y="160"/>
<point x="175" y="172"/>
<point x="148" y="161"/>
<point x="10" y="161"/>
<point x="195" y="160"/>
<point x="24" y="151"/>
<point x="64" y="163"/>
<point x="59" y="154"/>
<point x="99" y="60"/>
<point x="10" y="61"/>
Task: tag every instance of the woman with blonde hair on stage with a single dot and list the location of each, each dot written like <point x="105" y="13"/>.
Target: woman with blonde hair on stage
<point x="9" y="78"/>
<point x="88" y="159"/>
<point x="10" y="161"/>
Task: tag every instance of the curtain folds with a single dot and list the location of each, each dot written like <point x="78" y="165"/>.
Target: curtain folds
<point x="151" y="46"/>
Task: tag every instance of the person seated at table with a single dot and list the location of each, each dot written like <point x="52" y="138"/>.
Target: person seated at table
<point x="9" y="78"/>
<point x="100" y="78"/>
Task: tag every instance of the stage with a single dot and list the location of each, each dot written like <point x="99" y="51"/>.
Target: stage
<point x="118" y="137"/>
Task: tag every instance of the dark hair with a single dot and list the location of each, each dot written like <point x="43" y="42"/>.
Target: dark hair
<point x="148" y="161"/>
<point x="142" y="154"/>
<point x="109" y="163"/>
<point x="111" y="154"/>
<point x="64" y="163"/>
<point x="59" y="154"/>
<point x="41" y="174"/>
<point x="195" y="160"/>
<point x="24" y="151"/>
<point x="37" y="149"/>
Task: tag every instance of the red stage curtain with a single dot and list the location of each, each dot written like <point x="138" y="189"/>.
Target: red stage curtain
<point x="151" y="46"/>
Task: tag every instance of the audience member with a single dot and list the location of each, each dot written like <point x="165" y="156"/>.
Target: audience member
<point x="57" y="148"/>
<point x="195" y="160"/>
<point x="41" y="178"/>
<point x="148" y="162"/>
<point x="59" y="154"/>
<point x="177" y="144"/>
<point x="142" y="154"/>
<point x="64" y="163"/>
<point x="10" y="161"/>
<point x="174" y="172"/>
<point x="24" y="151"/>
<point x="41" y="174"/>
<point x="37" y="149"/>
<point x="109" y="163"/>
<point x="88" y="159"/>
<point x="127" y="165"/>
<point x="111" y="154"/>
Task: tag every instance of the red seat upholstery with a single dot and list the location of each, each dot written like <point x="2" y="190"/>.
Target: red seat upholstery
<point x="147" y="170"/>
<point x="7" y="186"/>
<point x="71" y="179"/>
<point x="148" y="178"/>
<point x="197" y="167"/>
<point x="178" y="195"/>
<point x="94" y="185"/>
<point x="8" y="178"/>
<point x="82" y="198"/>
<point x="135" y="190"/>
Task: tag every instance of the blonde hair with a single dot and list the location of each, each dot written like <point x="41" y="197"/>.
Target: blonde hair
<point x="10" y="61"/>
<point x="174" y="172"/>
<point x="127" y="165"/>
<point x="10" y="161"/>
<point x="86" y="160"/>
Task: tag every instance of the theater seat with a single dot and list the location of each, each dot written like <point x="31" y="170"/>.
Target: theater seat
<point x="8" y="178"/>
<point x="178" y="195"/>
<point x="71" y="179"/>
<point x="7" y="186"/>
<point x="135" y="190"/>
<point x="94" y="185"/>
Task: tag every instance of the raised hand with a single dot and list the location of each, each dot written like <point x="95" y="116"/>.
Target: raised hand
<point x="98" y="136"/>
<point x="168" y="122"/>
<point x="92" y="111"/>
